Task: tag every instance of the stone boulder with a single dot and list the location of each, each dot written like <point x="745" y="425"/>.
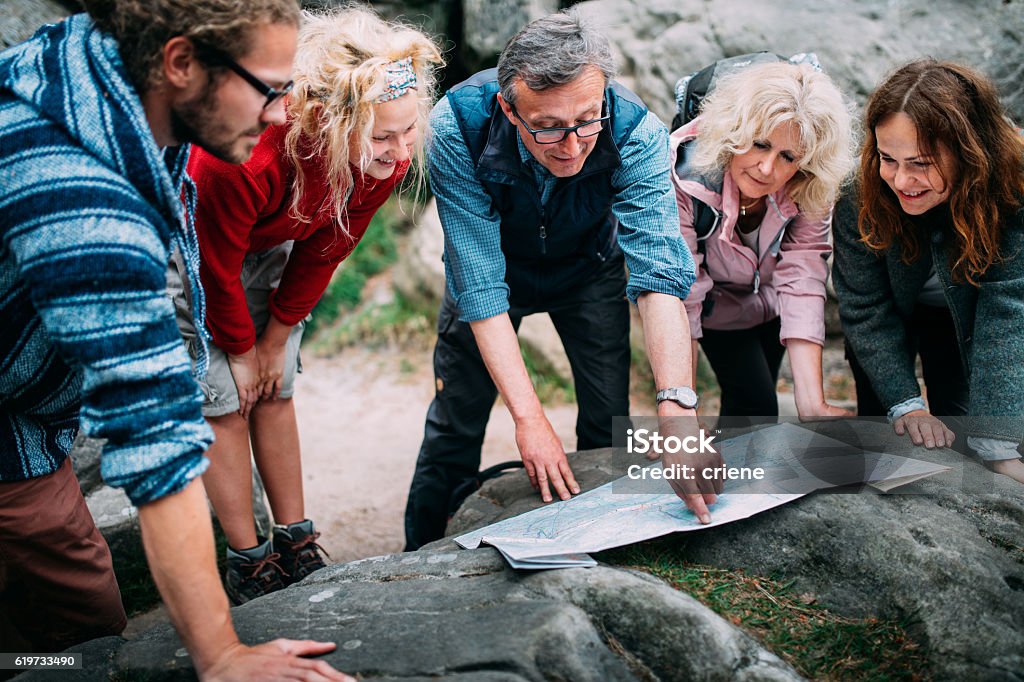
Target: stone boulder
<point x="858" y="43"/>
<point x="944" y="552"/>
<point x="21" y="18"/>
<point x="116" y="517"/>
<point x="419" y="273"/>
<point x="487" y="26"/>
<point x="466" y="616"/>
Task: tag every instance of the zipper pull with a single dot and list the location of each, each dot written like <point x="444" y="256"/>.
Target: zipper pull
<point x="757" y="280"/>
<point x="543" y="240"/>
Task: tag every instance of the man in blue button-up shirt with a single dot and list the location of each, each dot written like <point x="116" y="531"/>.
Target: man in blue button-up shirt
<point x="549" y="179"/>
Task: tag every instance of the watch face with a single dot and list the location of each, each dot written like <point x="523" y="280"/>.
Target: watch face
<point x="684" y="396"/>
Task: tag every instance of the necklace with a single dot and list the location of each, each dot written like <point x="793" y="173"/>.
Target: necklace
<point x="744" y="209"/>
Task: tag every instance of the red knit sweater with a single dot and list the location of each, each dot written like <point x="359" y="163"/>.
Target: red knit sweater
<point x="245" y="209"/>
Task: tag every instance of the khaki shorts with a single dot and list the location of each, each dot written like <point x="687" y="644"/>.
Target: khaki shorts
<point x="261" y="274"/>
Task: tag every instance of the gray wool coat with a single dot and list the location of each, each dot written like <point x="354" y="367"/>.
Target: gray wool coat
<point x="877" y="294"/>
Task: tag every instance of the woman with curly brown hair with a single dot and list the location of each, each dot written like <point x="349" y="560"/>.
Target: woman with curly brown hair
<point x="934" y="267"/>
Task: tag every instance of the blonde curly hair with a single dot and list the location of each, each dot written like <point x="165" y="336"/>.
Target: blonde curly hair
<point x="747" y="106"/>
<point x="340" y="71"/>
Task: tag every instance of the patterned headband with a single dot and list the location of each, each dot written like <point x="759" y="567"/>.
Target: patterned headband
<point x="401" y="79"/>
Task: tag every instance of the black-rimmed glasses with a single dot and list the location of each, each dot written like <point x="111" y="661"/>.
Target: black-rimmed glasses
<point x="556" y="135"/>
<point x="215" y="56"/>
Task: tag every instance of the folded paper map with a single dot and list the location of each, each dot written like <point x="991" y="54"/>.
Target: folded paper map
<point x="619" y="513"/>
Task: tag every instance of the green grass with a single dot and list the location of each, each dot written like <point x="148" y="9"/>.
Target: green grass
<point x="376" y="251"/>
<point x="407" y="324"/>
<point x="551" y="387"/>
<point x="400" y="323"/>
<point x="820" y="644"/>
<point x="138" y="591"/>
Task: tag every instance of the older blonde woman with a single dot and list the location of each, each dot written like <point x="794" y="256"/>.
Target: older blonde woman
<point x="760" y="169"/>
<point x="271" y="233"/>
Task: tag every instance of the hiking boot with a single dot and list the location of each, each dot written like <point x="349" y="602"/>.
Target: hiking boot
<point x="299" y="551"/>
<point x="253" y="573"/>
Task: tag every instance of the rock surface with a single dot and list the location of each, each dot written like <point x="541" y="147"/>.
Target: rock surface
<point x="487" y="25"/>
<point x="118" y="521"/>
<point x="466" y="616"/>
<point x="660" y="40"/>
<point x="21" y="18"/>
<point x="944" y="553"/>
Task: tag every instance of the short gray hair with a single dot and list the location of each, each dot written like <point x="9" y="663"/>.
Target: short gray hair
<point x="553" y="51"/>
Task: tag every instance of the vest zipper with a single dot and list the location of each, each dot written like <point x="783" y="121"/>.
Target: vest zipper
<point x="543" y="231"/>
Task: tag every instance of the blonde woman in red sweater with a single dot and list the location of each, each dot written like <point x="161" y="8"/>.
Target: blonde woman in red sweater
<point x="271" y="233"/>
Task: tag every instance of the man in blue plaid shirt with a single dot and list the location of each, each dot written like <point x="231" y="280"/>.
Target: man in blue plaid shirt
<point x="550" y="179"/>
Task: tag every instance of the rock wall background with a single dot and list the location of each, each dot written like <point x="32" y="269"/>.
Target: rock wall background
<point x="657" y="41"/>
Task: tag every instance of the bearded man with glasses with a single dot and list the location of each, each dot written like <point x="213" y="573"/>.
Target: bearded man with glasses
<point x="550" y="178"/>
<point x="96" y="117"/>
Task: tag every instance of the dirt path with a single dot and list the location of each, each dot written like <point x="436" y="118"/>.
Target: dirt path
<point x="361" y="422"/>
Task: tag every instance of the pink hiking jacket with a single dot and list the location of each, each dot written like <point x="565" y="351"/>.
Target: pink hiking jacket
<point x="743" y="289"/>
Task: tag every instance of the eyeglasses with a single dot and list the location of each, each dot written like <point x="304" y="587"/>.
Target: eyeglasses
<point x="556" y="135"/>
<point x="215" y="56"/>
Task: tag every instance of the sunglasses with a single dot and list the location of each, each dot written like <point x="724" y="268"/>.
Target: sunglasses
<point x="212" y="55"/>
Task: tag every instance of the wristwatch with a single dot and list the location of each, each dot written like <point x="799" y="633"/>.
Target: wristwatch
<point x="684" y="396"/>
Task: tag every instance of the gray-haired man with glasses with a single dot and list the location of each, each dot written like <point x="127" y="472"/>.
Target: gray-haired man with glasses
<point x="550" y="178"/>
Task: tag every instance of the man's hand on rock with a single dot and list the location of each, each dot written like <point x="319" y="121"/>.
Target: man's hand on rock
<point x="544" y="459"/>
<point x="280" y="659"/>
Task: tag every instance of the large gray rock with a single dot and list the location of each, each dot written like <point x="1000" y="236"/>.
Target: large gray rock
<point x="21" y="18"/>
<point x="488" y="25"/>
<point x="110" y="505"/>
<point x="466" y="616"/>
<point x="945" y="551"/>
<point x="85" y="458"/>
<point x="434" y="16"/>
<point x="660" y="40"/>
<point x="419" y="273"/>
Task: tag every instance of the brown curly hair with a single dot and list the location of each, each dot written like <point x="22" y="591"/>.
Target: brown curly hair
<point x="957" y="108"/>
<point x="143" y="27"/>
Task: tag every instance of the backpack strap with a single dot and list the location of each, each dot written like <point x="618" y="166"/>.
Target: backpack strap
<point x="472" y="484"/>
<point x="705" y="218"/>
